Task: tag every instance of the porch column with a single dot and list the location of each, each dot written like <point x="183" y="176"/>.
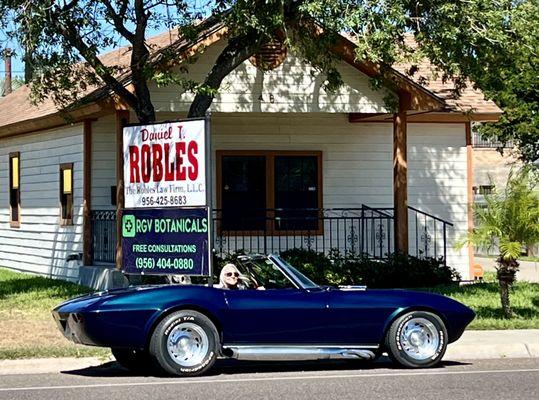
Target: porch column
<point x="400" y="171"/>
<point x="122" y="118"/>
<point x="87" y="256"/>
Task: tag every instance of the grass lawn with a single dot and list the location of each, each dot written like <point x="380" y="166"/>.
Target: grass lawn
<point x="484" y="299"/>
<point x="27" y="328"/>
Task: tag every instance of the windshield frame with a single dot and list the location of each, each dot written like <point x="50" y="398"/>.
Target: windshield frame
<point x="299" y="279"/>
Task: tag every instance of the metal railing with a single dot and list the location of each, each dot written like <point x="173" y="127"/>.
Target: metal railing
<point x="346" y="230"/>
<point x="104" y="236"/>
<point x="364" y="231"/>
<point x="481" y="142"/>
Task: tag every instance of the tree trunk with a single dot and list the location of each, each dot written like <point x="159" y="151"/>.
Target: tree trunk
<point x="504" y="297"/>
<point x="506" y="271"/>
<point x="237" y="51"/>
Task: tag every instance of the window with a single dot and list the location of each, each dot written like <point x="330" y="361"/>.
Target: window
<point x="14" y="190"/>
<point x="66" y="194"/>
<point x="272" y="191"/>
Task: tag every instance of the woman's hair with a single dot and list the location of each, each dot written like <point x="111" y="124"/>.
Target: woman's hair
<point x="227" y="268"/>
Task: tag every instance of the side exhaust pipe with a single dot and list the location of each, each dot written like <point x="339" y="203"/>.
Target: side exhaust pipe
<point x="290" y="353"/>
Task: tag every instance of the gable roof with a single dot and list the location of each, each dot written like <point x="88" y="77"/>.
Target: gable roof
<point x="19" y="115"/>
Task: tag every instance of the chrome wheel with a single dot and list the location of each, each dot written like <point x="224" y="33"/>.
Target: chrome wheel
<point x="419" y="338"/>
<point x="188" y="344"/>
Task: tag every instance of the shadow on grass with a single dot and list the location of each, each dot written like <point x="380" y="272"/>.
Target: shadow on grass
<point x="233" y="367"/>
<point x="15" y="286"/>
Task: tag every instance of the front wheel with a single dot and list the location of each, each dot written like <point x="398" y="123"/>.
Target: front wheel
<point x="184" y="343"/>
<point x="417" y="339"/>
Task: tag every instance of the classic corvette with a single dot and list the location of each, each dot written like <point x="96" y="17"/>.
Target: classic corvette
<point x="182" y="329"/>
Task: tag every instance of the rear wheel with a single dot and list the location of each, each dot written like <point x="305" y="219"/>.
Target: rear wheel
<point x="135" y="360"/>
<point x="417" y="339"/>
<point x="185" y="343"/>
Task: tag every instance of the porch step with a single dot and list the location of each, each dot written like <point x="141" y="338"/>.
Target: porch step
<point x="101" y="277"/>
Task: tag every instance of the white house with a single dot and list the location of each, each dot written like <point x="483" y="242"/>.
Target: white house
<point x="298" y="166"/>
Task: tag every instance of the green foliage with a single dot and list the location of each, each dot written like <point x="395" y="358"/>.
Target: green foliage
<point x="16" y="82"/>
<point x="483" y="299"/>
<point x="511" y="216"/>
<point x="463" y="39"/>
<point x="397" y="271"/>
<point x="69" y="350"/>
<point x="316" y="266"/>
<point x="511" y="80"/>
<point x="33" y="294"/>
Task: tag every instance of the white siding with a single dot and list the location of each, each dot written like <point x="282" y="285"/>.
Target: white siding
<point x="357" y="164"/>
<point x="356" y="158"/>
<point x="41" y="245"/>
<point x="291" y="87"/>
<point x="103" y="162"/>
<point x="437" y="182"/>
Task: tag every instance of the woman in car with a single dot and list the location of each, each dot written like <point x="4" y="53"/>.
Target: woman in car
<point x="230" y="278"/>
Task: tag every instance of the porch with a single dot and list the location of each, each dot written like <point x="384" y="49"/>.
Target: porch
<point x="360" y="231"/>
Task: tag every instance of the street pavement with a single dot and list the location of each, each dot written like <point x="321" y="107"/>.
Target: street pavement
<point x="521" y="343"/>
<point x="474" y="379"/>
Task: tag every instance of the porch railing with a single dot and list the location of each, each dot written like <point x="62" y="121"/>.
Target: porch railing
<point x="364" y="230"/>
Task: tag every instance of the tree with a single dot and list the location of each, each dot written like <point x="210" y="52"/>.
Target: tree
<point x="511" y="221"/>
<point x="514" y="85"/>
<point x="65" y="38"/>
<point x="16" y="82"/>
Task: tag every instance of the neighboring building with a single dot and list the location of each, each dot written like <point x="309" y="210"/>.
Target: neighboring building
<point x="341" y="164"/>
<point x="491" y="169"/>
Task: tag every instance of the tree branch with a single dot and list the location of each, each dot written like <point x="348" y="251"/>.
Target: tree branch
<point x="70" y="33"/>
<point x="117" y="19"/>
<point x="237" y="51"/>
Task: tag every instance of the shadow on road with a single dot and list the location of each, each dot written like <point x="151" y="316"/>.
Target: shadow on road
<point x="233" y="367"/>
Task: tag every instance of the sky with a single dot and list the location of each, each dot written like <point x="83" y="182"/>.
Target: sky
<point x="17" y="65"/>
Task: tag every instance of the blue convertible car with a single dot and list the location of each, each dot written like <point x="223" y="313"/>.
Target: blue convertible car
<point x="184" y="328"/>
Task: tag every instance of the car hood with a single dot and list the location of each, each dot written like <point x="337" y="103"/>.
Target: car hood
<point x="86" y="300"/>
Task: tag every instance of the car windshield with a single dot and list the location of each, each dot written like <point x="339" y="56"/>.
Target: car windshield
<point x="304" y="282"/>
<point x="261" y="272"/>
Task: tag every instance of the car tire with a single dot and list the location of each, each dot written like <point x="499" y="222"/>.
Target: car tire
<point x="417" y="339"/>
<point x="135" y="360"/>
<point x="185" y="343"/>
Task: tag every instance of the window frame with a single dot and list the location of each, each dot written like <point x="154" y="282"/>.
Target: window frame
<point x="15" y="223"/>
<point x="66" y="221"/>
<point x="270" y="190"/>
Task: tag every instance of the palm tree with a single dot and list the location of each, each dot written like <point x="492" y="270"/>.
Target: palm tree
<point x="510" y="220"/>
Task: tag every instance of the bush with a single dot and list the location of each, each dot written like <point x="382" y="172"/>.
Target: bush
<point x="397" y="271"/>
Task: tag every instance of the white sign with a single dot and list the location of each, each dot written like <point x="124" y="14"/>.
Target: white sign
<point x="164" y="165"/>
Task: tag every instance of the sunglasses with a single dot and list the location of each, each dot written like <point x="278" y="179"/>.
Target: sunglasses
<point x="229" y="274"/>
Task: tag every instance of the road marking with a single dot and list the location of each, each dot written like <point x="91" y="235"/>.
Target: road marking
<point x="187" y="381"/>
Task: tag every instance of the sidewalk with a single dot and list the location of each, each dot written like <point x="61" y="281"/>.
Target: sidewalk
<point x="522" y="343"/>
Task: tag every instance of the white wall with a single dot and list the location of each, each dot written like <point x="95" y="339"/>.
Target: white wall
<point x="41" y="245"/>
<point x="358" y="167"/>
<point x="291" y="87"/>
<point x="437" y="183"/>
<point x="103" y="162"/>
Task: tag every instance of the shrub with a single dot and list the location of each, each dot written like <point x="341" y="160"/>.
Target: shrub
<point x="397" y="271"/>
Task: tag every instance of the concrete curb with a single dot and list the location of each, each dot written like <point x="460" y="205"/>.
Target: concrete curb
<point x="472" y="345"/>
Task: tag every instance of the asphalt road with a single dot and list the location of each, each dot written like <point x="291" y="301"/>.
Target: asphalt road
<point x="481" y="379"/>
